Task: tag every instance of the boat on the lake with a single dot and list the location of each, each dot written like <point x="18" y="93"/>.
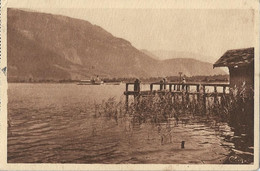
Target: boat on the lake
<point x="96" y="81"/>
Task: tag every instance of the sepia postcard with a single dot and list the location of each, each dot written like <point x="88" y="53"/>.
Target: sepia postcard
<point x="129" y="85"/>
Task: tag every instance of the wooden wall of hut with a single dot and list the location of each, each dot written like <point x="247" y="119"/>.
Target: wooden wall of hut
<point x="241" y="74"/>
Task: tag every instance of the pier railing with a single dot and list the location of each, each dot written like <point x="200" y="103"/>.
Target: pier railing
<point x="180" y="89"/>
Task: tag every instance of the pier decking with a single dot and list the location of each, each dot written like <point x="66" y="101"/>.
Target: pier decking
<point x="179" y="89"/>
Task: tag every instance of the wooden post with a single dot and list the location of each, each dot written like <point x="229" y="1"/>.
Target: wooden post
<point x="198" y="93"/>
<point x="126" y="97"/>
<point x="136" y="88"/>
<point x="151" y="87"/>
<point x="182" y="97"/>
<point x="187" y="99"/>
<point x="137" y="85"/>
<point x="187" y="94"/>
<point x="198" y="88"/>
<point x="170" y="87"/>
<point x="126" y="102"/>
<point x="126" y="87"/>
<point x="161" y="85"/>
<point x="215" y="94"/>
<point x="204" y="99"/>
<point x="137" y="93"/>
<point x="223" y="97"/>
<point x="137" y="98"/>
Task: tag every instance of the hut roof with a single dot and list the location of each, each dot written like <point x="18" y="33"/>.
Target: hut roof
<point x="236" y="57"/>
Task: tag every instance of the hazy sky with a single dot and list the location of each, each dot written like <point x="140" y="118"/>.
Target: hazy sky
<point x="209" y="32"/>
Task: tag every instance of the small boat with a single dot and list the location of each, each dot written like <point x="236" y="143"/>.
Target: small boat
<point x="96" y="81"/>
<point x="85" y="82"/>
<point x="90" y="82"/>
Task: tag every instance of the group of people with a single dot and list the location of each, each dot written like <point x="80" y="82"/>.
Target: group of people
<point x="164" y="80"/>
<point x="162" y="84"/>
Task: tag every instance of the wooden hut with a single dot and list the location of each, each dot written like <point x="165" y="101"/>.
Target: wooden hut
<point x="240" y="63"/>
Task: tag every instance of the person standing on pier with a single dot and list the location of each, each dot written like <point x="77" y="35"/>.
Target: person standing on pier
<point x="163" y="84"/>
<point x="183" y="82"/>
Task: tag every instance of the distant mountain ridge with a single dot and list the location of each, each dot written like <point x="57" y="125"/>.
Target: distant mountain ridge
<point x="169" y="54"/>
<point x="180" y="61"/>
<point x="45" y="46"/>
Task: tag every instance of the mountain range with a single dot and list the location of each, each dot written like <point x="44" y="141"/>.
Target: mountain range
<point x="44" y="46"/>
<point x="169" y="54"/>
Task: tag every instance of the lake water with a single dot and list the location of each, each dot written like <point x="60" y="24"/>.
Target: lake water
<point x="55" y="123"/>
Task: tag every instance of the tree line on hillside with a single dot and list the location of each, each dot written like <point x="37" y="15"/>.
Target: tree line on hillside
<point x="200" y="78"/>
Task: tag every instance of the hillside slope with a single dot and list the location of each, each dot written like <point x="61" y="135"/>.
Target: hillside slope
<point x="46" y="46"/>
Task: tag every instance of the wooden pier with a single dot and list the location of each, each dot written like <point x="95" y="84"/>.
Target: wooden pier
<point x="179" y="89"/>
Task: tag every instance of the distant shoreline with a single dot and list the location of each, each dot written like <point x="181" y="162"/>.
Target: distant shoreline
<point x="191" y="79"/>
<point x="197" y="82"/>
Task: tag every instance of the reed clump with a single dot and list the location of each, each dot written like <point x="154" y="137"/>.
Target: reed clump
<point x="236" y="108"/>
<point x="158" y="108"/>
<point x="240" y="106"/>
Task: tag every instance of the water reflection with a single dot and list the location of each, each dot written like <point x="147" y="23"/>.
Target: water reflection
<point x="49" y="127"/>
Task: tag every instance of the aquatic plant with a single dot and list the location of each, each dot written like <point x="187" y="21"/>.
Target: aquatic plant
<point x="159" y="108"/>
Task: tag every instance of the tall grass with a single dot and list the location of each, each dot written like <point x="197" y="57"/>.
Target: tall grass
<point x="240" y="109"/>
<point x="159" y="108"/>
<point x="161" y="111"/>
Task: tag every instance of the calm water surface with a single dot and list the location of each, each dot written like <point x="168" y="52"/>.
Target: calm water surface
<point x="55" y="123"/>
